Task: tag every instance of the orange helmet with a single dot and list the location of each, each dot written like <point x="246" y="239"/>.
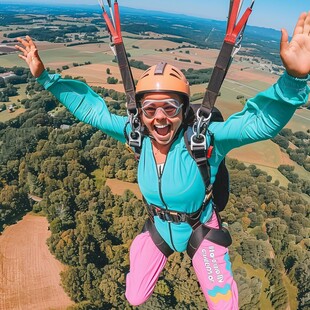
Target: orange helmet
<point x="163" y="78"/>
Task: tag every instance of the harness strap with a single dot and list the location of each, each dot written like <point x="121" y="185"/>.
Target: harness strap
<point x="117" y="45"/>
<point x="161" y="244"/>
<point x="217" y="78"/>
<point x="127" y="77"/>
<point x="114" y="28"/>
<point x="169" y="216"/>
<point x="234" y="32"/>
<point x="218" y="236"/>
<point x="201" y="155"/>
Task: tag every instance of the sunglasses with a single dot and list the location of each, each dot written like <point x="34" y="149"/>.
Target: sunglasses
<point x="171" y="107"/>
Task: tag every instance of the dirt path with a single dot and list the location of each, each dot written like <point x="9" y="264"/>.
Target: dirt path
<point x="29" y="274"/>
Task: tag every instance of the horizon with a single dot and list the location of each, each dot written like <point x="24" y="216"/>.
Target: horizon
<point x="288" y="10"/>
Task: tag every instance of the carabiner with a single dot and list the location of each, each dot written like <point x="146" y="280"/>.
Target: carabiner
<point x="201" y="123"/>
<point x="135" y="124"/>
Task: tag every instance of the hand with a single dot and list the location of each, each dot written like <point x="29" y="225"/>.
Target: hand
<point x="295" y="55"/>
<point x="30" y="55"/>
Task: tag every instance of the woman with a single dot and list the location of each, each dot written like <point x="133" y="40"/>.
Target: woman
<point x="167" y="175"/>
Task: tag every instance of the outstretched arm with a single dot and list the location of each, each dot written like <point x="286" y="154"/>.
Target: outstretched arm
<point x="76" y="96"/>
<point x="266" y="114"/>
<point x="295" y="55"/>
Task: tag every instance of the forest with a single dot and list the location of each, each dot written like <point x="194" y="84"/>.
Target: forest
<point x="92" y="229"/>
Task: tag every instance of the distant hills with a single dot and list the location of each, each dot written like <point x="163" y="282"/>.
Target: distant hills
<point x="66" y="9"/>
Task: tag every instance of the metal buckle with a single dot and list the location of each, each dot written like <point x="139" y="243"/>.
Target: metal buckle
<point x="135" y="135"/>
<point x="198" y="139"/>
<point x="168" y="216"/>
<point x="195" y="144"/>
<point x="134" y="138"/>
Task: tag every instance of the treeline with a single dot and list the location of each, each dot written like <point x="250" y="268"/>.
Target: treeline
<point x="50" y="34"/>
<point x="199" y="76"/>
<point x="92" y="229"/>
<point x="20" y="75"/>
<point x="193" y="76"/>
<point x="296" y="145"/>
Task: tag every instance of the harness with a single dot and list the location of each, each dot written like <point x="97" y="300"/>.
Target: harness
<point x="195" y="136"/>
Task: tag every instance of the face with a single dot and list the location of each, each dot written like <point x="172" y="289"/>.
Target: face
<point x="162" y="118"/>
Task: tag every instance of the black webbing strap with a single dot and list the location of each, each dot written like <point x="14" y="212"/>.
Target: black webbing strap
<point x="127" y="77"/>
<point x="233" y="32"/>
<point x="114" y="28"/>
<point x="217" y="78"/>
<point x="175" y="217"/>
<point x="161" y="244"/>
<point x="219" y="236"/>
<point x="199" y="154"/>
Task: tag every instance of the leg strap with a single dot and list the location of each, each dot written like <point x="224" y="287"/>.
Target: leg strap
<point x="218" y="236"/>
<point x="161" y="244"/>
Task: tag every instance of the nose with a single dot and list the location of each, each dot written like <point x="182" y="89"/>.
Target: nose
<point x="159" y="114"/>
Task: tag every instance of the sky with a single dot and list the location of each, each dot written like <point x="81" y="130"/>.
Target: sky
<point x="274" y="14"/>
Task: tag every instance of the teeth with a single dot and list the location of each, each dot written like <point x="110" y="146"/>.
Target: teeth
<point x="161" y="126"/>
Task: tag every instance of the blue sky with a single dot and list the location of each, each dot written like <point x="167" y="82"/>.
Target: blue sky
<point x="267" y="13"/>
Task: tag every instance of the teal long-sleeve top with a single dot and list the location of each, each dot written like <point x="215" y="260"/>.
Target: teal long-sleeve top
<point x="180" y="187"/>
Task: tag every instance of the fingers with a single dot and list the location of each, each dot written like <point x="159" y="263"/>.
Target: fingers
<point x="22" y="57"/>
<point x="23" y="42"/>
<point x="299" y="28"/>
<point x="27" y="43"/>
<point x="284" y="40"/>
<point x="307" y="24"/>
<point x="31" y="43"/>
<point x="21" y="49"/>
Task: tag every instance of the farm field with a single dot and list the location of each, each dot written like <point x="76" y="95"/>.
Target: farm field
<point x="246" y="82"/>
<point x="119" y="187"/>
<point x="29" y="274"/>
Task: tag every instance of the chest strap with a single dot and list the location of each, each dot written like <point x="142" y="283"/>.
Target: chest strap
<point x="175" y="217"/>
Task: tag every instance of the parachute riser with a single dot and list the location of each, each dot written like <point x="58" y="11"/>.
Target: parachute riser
<point x="231" y="45"/>
<point x="118" y="48"/>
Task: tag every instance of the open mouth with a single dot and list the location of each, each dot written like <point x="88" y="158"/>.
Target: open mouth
<point x="162" y="130"/>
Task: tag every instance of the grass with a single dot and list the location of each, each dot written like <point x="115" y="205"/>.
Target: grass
<point x="69" y="55"/>
<point x="99" y="178"/>
<point x="291" y="291"/>
<point x="259" y="273"/>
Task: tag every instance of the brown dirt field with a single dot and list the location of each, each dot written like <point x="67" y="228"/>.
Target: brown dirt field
<point x="5" y="115"/>
<point x="265" y="153"/>
<point x="44" y="45"/>
<point x="156" y="44"/>
<point x="95" y="75"/>
<point x="250" y="75"/>
<point x="93" y="48"/>
<point x="29" y="274"/>
<point x="118" y="187"/>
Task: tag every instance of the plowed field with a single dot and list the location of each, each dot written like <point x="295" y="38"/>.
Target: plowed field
<point x="29" y="274"/>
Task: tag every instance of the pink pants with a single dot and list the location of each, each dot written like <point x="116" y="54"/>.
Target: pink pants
<point x="211" y="264"/>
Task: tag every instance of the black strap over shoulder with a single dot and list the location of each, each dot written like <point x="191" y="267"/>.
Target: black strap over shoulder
<point x="200" y="157"/>
<point x="220" y="188"/>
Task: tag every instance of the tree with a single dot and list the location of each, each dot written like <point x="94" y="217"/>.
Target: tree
<point x="112" y="80"/>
